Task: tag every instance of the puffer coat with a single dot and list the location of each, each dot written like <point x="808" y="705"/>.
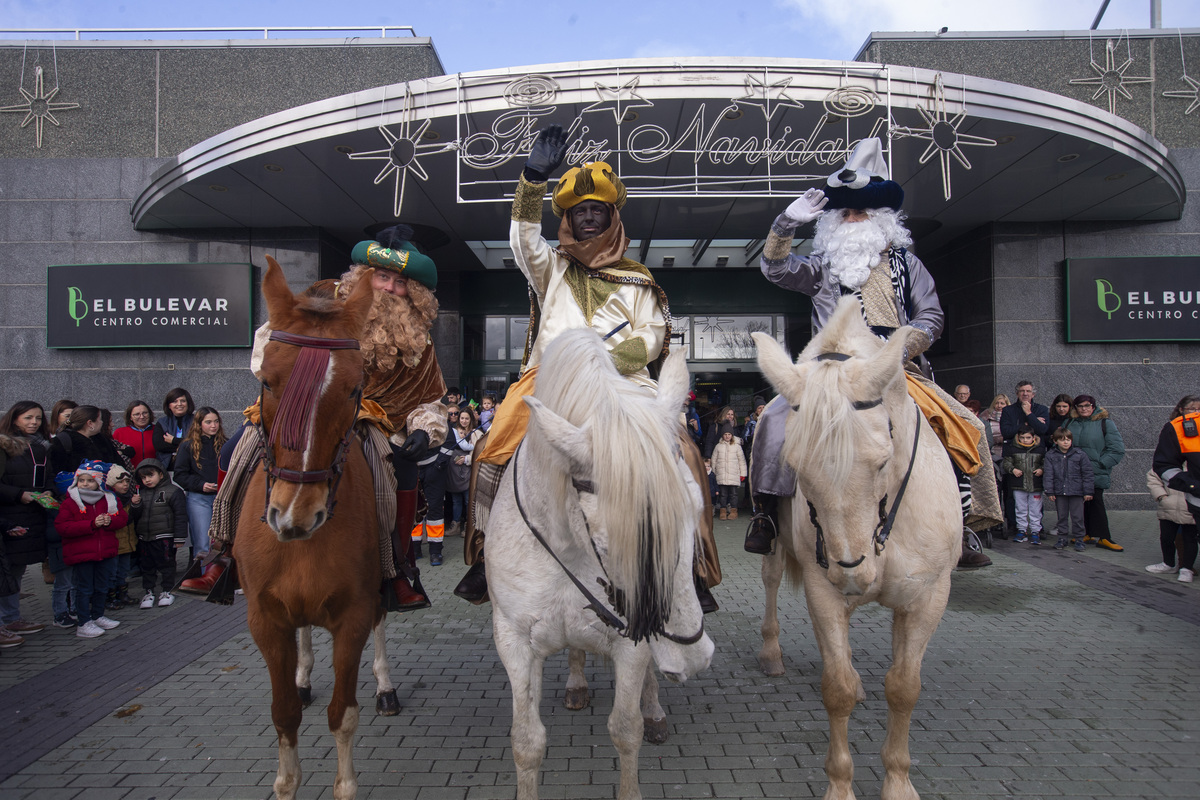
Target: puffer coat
<point x="729" y="462"/>
<point x="1068" y="474"/>
<point x="1098" y="437"/>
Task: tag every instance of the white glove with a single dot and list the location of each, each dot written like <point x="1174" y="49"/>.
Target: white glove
<point x="805" y="208"/>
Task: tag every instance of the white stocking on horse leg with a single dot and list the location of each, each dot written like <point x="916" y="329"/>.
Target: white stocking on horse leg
<point x="385" y="694"/>
<point x="577" y="686"/>
<point x="304" y="666"/>
<point x="770" y="657"/>
<point x="345" y="785"/>
<point x="625" y="722"/>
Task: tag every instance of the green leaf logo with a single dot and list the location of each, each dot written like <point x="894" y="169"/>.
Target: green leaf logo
<point x="1106" y="297"/>
<point x="77" y="307"/>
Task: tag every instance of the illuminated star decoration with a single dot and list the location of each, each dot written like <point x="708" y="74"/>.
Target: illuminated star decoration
<point x="618" y="99"/>
<point x="942" y="134"/>
<point x="401" y="153"/>
<point x="1184" y="94"/>
<point x="713" y="325"/>
<point x="1111" y="78"/>
<point x="768" y="98"/>
<point x="37" y="106"/>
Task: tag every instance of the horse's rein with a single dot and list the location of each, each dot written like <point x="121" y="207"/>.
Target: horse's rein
<point x="333" y="473"/>
<point x="606" y="616"/>
<point x="884" y="527"/>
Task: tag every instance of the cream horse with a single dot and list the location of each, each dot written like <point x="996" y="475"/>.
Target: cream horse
<point x="597" y="500"/>
<point x="876" y="518"/>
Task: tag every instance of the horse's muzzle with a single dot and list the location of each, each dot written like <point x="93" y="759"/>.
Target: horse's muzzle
<point x="851" y="564"/>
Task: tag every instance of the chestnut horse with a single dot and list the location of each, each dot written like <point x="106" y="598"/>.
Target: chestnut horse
<point x="300" y="563"/>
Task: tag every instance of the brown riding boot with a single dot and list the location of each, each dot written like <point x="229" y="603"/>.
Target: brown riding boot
<point x="972" y="552"/>
<point x="404" y="592"/>
<point x="208" y="578"/>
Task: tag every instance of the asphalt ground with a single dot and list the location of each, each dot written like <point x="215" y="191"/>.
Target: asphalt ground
<point x="1054" y="674"/>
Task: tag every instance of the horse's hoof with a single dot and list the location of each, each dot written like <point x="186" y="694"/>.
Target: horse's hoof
<point x="577" y="699"/>
<point x="654" y="731"/>
<point x="305" y="693"/>
<point x="386" y="704"/>
<point x="771" y="667"/>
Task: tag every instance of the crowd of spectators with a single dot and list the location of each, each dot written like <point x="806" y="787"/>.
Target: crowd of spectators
<point x="95" y="505"/>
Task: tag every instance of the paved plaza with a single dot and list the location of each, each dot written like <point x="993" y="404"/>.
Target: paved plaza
<point x="1053" y="675"/>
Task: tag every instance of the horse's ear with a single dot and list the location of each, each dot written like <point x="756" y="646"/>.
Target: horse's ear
<point x="673" y="382"/>
<point x="773" y="360"/>
<point x="279" y="297"/>
<point x="358" y="304"/>
<point x="573" y="443"/>
<point x="886" y="364"/>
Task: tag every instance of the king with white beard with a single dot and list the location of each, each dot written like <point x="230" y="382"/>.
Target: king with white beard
<point x="860" y="249"/>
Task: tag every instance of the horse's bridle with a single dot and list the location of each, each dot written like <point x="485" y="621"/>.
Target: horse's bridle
<point x="886" y="518"/>
<point x="332" y="473"/>
<point x="614" y="594"/>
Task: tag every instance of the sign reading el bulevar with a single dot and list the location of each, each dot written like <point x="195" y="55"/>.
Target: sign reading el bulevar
<point x="1147" y="298"/>
<point x="148" y="305"/>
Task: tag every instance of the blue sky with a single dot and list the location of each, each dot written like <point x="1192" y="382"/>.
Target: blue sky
<point x="485" y="34"/>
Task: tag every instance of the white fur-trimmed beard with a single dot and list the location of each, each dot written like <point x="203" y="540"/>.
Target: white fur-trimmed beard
<point x="852" y="249"/>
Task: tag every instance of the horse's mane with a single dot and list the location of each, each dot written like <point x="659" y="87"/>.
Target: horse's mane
<point x="826" y="429"/>
<point x="640" y="492"/>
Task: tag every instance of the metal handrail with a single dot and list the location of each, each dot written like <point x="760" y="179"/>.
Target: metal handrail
<point x="266" y="32"/>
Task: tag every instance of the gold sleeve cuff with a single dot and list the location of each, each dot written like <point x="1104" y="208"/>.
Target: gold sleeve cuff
<point x="630" y="356"/>
<point x="777" y="247"/>
<point x="918" y="342"/>
<point x="527" y="202"/>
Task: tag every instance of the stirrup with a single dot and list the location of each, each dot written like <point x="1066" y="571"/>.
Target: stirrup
<point x="760" y="516"/>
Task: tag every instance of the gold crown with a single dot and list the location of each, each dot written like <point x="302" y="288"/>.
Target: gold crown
<point x="594" y="181"/>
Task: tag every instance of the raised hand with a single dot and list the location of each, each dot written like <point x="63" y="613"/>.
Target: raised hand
<point x="549" y="150"/>
<point x="806" y="207"/>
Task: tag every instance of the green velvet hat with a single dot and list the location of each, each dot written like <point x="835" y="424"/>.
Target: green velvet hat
<point x="402" y="257"/>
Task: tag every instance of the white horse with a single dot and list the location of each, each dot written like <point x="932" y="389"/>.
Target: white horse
<point x="595" y="499"/>
<point x="876" y="518"/>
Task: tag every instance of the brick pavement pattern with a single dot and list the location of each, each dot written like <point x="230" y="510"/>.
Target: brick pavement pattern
<point x="1053" y="675"/>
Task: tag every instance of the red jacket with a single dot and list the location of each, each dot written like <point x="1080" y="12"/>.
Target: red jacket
<point x="142" y="442"/>
<point x="82" y="541"/>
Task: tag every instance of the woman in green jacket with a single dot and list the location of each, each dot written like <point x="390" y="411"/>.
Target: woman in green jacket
<point x="1097" y="435"/>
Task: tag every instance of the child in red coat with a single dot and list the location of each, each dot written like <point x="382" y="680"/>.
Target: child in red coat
<point x="87" y="521"/>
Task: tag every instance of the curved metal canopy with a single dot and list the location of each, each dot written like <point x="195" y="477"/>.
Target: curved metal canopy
<point x="710" y="149"/>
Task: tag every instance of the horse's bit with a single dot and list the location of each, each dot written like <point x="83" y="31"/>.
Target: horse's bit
<point x="615" y="595"/>
<point x="333" y="473"/>
<point x="886" y="518"/>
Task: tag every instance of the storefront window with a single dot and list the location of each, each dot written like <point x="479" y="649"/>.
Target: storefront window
<point x="727" y="337"/>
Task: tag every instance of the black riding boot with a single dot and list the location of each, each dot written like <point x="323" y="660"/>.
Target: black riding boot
<point x="764" y="525"/>
<point x="473" y="587"/>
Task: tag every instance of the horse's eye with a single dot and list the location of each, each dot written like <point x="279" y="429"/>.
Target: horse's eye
<point x="266" y="386"/>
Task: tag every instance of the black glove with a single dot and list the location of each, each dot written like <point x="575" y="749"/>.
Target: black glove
<point x="1183" y="482"/>
<point x="548" y="152"/>
<point x="415" y="446"/>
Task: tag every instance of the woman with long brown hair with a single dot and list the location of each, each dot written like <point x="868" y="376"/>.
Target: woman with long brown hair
<point x="196" y="472"/>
